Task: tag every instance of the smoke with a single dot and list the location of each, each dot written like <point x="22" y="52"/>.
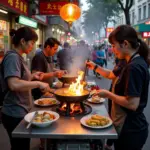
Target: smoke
<point x="79" y="56"/>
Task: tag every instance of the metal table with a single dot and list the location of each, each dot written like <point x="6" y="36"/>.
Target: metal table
<point x="67" y="128"/>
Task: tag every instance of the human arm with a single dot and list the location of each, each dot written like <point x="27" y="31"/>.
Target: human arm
<point x="16" y="84"/>
<point x="104" y="72"/>
<point x="14" y="72"/>
<point x="58" y="74"/>
<point x="129" y="102"/>
<point x="134" y="83"/>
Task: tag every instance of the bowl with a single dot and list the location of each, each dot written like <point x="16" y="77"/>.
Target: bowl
<point x="30" y="115"/>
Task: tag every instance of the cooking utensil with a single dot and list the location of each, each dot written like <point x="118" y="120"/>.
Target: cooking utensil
<point x="68" y="79"/>
<point x="71" y="99"/>
<point x="32" y="119"/>
<point x="86" y="69"/>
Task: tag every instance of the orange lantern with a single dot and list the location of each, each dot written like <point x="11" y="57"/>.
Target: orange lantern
<point x="70" y="13"/>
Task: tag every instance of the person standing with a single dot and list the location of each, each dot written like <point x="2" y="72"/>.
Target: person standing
<point x="65" y="57"/>
<point x="18" y="100"/>
<point x="39" y="49"/>
<point x="129" y="90"/>
<point x="43" y="62"/>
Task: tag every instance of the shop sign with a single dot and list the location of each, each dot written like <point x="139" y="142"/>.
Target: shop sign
<point x="146" y="34"/>
<point x="148" y="22"/>
<point x="19" y="6"/>
<point x="3" y="25"/>
<point x="41" y="18"/>
<point x="52" y="8"/>
<point x="27" y="21"/>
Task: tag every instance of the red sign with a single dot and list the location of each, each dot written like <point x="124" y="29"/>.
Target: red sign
<point x="146" y="34"/>
<point x="148" y="22"/>
<point x="20" y="6"/>
<point x="108" y="31"/>
<point x="51" y="8"/>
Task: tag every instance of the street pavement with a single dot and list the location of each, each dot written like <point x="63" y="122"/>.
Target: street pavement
<point x="103" y="83"/>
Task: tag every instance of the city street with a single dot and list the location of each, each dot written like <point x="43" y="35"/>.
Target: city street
<point x="103" y="83"/>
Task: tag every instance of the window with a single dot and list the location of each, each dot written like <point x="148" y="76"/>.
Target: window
<point x="149" y="10"/>
<point x="144" y="12"/>
<point x="139" y="17"/>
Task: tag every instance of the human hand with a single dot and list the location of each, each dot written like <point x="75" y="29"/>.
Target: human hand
<point x="59" y="73"/>
<point x="44" y="87"/>
<point x="37" y="75"/>
<point x="90" y="64"/>
<point x="102" y="93"/>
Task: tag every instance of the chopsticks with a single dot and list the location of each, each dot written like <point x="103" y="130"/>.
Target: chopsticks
<point x="29" y="124"/>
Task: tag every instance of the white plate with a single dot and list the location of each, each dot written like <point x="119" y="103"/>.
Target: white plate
<point x="83" y="122"/>
<point x="29" y="116"/>
<point x="90" y="83"/>
<point x="57" y="84"/>
<point x="101" y="100"/>
<point x="36" y="102"/>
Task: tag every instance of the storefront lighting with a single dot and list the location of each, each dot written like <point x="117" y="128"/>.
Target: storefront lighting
<point x="57" y="30"/>
<point x="53" y="29"/>
<point x="3" y="11"/>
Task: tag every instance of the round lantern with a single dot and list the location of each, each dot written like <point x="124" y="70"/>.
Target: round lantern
<point x="70" y="13"/>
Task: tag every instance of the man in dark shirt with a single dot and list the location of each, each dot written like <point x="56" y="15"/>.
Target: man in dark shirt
<point x="65" y="57"/>
<point x="42" y="61"/>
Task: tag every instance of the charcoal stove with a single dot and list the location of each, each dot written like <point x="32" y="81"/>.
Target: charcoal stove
<point x="72" y="105"/>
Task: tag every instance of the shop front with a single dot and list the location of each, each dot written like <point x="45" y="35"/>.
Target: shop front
<point x="143" y="32"/>
<point x="4" y="33"/>
<point x="8" y="10"/>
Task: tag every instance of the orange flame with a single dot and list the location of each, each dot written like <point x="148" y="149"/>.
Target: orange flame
<point x="77" y="88"/>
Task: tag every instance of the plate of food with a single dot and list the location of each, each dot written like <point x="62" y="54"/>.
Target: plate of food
<point x="57" y="84"/>
<point x="96" y="121"/>
<point x="42" y="118"/>
<point x="96" y="99"/>
<point x="46" y="102"/>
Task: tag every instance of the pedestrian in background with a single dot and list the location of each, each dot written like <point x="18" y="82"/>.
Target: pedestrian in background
<point x="39" y="49"/>
<point x="65" y="57"/>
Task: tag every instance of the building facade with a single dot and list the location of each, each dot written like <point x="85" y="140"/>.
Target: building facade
<point x="139" y="18"/>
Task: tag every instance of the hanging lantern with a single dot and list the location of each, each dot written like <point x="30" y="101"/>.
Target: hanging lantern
<point x="70" y="13"/>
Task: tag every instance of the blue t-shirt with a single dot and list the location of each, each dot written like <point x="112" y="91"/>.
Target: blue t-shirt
<point x="100" y="53"/>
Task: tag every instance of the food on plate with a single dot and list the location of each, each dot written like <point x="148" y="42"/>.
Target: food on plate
<point x="44" y="117"/>
<point x="93" y="92"/>
<point x="57" y="84"/>
<point x="95" y="87"/>
<point x="48" y="94"/>
<point x="47" y="101"/>
<point x="96" y="99"/>
<point x="97" y="120"/>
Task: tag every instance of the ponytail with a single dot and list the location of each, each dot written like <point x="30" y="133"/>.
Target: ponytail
<point x="144" y="51"/>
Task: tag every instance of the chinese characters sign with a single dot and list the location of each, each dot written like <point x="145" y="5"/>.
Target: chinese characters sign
<point x="146" y="34"/>
<point x="108" y="31"/>
<point x="51" y="8"/>
<point x="19" y="6"/>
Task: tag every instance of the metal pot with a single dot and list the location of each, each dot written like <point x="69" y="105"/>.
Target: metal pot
<point x="68" y="79"/>
<point x="70" y="99"/>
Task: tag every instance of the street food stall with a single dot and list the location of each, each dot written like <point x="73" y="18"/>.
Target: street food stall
<point x="72" y="116"/>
